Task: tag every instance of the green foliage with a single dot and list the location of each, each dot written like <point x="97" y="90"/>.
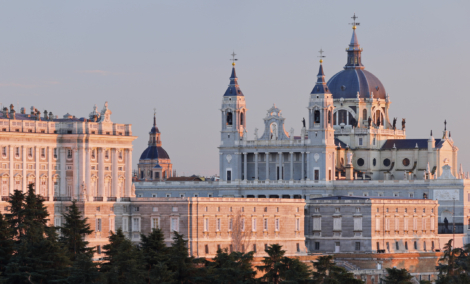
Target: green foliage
<point x="281" y="269"/>
<point x="84" y="271"/>
<point x="397" y="276"/>
<point x="179" y="260"/>
<point x="38" y="257"/>
<point x="6" y="243"/>
<point x="127" y="266"/>
<point x="156" y="255"/>
<point x="228" y="268"/>
<point x="73" y="231"/>
<point x="326" y="271"/>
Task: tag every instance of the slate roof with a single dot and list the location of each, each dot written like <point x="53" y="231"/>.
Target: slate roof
<point x="233" y="89"/>
<point x="154" y="152"/>
<point x="346" y="84"/>
<point x="340" y="143"/>
<point x="410" y="143"/>
<point x="340" y="197"/>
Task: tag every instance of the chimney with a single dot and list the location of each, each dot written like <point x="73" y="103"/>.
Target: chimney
<point x="51" y="116"/>
<point x="45" y="115"/>
<point x="12" y="112"/>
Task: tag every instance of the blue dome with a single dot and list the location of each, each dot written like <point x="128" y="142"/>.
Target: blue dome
<point x="154" y="152"/>
<point x="154" y="130"/>
<point x="347" y="83"/>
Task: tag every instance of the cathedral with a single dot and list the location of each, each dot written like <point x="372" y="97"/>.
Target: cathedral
<point x="348" y="116"/>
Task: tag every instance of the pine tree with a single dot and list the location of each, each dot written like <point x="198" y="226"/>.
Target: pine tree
<point x="326" y="271"/>
<point x="38" y="257"/>
<point x="128" y="266"/>
<point x="84" y="271"/>
<point x="73" y="232"/>
<point x="272" y="264"/>
<point x="448" y="267"/>
<point x="227" y="268"/>
<point x="397" y="276"/>
<point x="111" y="249"/>
<point x="156" y="255"/>
<point x="179" y="261"/>
<point x="294" y="271"/>
<point x="6" y="243"/>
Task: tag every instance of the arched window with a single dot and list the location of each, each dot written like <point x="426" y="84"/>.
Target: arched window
<point x="342" y="116"/>
<point x="242" y="119"/>
<point x="378" y="118"/>
<point x="316" y="116"/>
<point x="142" y="174"/>
<point x="364" y="114"/>
<point x="329" y="117"/>
<point x="151" y="175"/>
<point x="229" y="118"/>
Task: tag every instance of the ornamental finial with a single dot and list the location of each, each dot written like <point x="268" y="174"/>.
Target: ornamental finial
<point x="233" y="58"/>
<point x="354" y="23"/>
<point x="321" y="55"/>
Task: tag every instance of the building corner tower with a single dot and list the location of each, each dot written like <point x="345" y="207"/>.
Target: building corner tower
<point x="233" y="130"/>
<point x="321" y="156"/>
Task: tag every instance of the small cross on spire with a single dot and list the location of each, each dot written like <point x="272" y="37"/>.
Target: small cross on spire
<point x="354" y="23"/>
<point x="233" y="58"/>
<point x="321" y="55"/>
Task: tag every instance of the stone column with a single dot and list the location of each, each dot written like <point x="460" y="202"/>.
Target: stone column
<point x="25" y="186"/>
<point x="50" y="184"/>
<point x="63" y="177"/>
<point x="256" y="165"/>
<point x="115" y="172"/>
<point x="101" y="172"/>
<point x="12" y="166"/>
<point x="267" y="165"/>
<point x="128" y="180"/>
<point x="302" y="177"/>
<point x="291" y="165"/>
<point x="308" y="165"/>
<point x="280" y="165"/>
<point x="36" y="170"/>
<point x="76" y="173"/>
<point x="88" y="173"/>
<point x="245" y="166"/>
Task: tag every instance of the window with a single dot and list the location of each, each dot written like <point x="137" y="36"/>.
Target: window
<point x="98" y="209"/>
<point x="277" y="224"/>
<point x="174" y="209"/>
<point x="317" y="209"/>
<point x="317" y="223"/>
<point x="316" y="116"/>
<point x="317" y="174"/>
<point x="43" y="152"/>
<point x="254" y="247"/>
<point x="230" y="209"/>
<point x="388" y="246"/>
<point x="386" y="210"/>
<point x="206" y="224"/>
<point x="168" y="195"/>
<point x="182" y="195"/>
<point x="378" y="246"/>
<point x="397" y="247"/>
<point x="30" y="152"/>
<point x="17" y="151"/>
<point x="265" y="209"/>
<point x="243" y="224"/>
<point x="98" y="225"/>
<point x="406" y="162"/>
<point x="136" y="224"/>
<point x="265" y="247"/>
<point x="297" y="224"/>
<point x="406" y="245"/>
<point x="360" y="162"/>
<point x="243" y="209"/>
<point x="358" y="209"/>
<point x="424" y="245"/>
<point x="69" y="154"/>
<point x="174" y="224"/>
<point x="414" y="210"/>
<point x="416" y="245"/>
<point x="337" y="209"/>
<point x="254" y="209"/>
<point x="253" y="224"/>
<point x="360" y="141"/>
<point x="136" y="208"/>
<point x="265" y="224"/>
<point x="230" y="224"/>
<point x="206" y="248"/>
<point x="406" y="210"/>
<point x="218" y="225"/>
<point x="125" y="222"/>
<point x="298" y="247"/>
<point x="155" y="223"/>
<point x="317" y="245"/>
<point x="336" y="224"/>
<point x="4" y="153"/>
<point x="386" y="162"/>
<point x="218" y="209"/>
<point x="358" y="224"/>
<point x="358" y="246"/>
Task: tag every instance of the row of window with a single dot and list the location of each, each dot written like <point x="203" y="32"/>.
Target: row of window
<point x="357" y="246"/>
<point x="386" y="162"/>
<point x="69" y="153"/>
<point x="240" y="224"/>
<point x="358" y="209"/>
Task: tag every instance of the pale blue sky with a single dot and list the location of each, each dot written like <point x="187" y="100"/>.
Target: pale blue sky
<point x="65" y="56"/>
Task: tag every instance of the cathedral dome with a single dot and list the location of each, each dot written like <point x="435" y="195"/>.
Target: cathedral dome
<point x="354" y="79"/>
<point x="347" y="83"/>
<point x="154" y="152"/>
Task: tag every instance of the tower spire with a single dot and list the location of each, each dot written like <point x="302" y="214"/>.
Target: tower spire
<point x="320" y="86"/>
<point x="354" y="50"/>
<point x="233" y="88"/>
<point x="154" y="117"/>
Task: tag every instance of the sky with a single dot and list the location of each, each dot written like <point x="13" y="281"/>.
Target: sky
<point x="66" y="56"/>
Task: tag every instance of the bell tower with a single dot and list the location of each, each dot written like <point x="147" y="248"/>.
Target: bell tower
<point x="320" y="130"/>
<point x="233" y="116"/>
